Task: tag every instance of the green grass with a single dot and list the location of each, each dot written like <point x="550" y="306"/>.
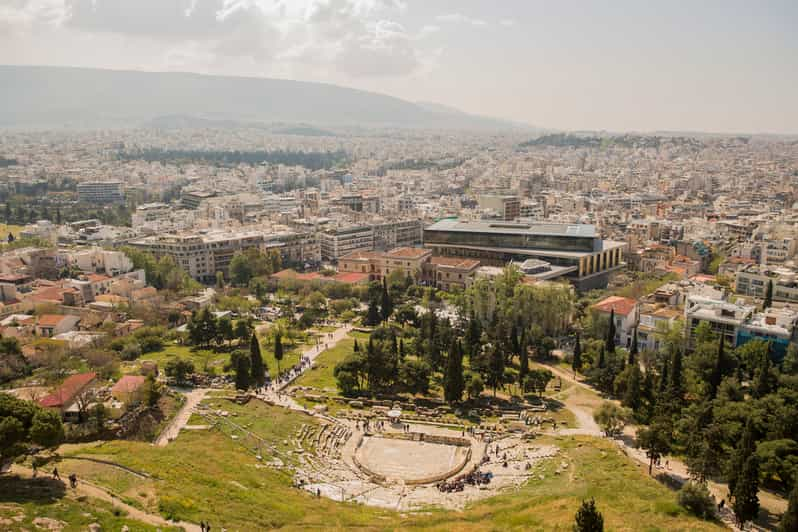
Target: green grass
<point x="24" y="500"/>
<point x="321" y="375"/>
<point x="13" y="229"/>
<point x="207" y="475"/>
<point x="202" y="358"/>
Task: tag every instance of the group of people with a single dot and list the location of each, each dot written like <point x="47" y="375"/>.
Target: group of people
<point x="475" y="478"/>
<point x="73" y="478"/>
<point x="205" y="527"/>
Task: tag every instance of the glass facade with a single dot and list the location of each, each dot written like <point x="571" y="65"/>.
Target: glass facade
<point x="511" y="240"/>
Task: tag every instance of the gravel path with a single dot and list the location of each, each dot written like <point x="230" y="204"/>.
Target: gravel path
<point x="193" y="398"/>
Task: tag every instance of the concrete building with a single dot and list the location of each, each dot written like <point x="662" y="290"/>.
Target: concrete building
<point x="752" y="280"/>
<point x="100" y="192"/>
<point x="508" y="208"/>
<point x="586" y="260"/>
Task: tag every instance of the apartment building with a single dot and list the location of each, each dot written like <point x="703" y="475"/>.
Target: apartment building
<point x="752" y="280"/>
<point x="339" y="241"/>
<point x="100" y="192"/>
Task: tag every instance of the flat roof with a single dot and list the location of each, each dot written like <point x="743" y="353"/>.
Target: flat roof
<point x="534" y="228"/>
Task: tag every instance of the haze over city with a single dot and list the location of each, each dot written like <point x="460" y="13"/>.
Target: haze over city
<point x="715" y="66"/>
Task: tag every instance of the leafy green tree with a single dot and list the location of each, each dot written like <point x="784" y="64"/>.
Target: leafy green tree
<point x="179" y="369"/>
<point x="415" y="375"/>
<point x="240" y="360"/>
<point x="219" y="280"/>
<point x="656" y="440"/>
<point x="765" y="379"/>
<point x="495" y="368"/>
<point x="242" y="331"/>
<point x="538" y="380"/>
<point x="745" y="503"/>
<point x="676" y="385"/>
<point x="240" y="270"/>
<point x="454" y="383"/>
<point x="718" y="370"/>
<point x="256" y="362"/>
<point x="224" y="330"/>
<point x="611" y="418"/>
<point x="475" y="386"/>
<point x="152" y="391"/>
<point x="633" y="396"/>
<point x="778" y="459"/>
<point x="696" y="499"/>
<point x="588" y="518"/>
<point x="24" y="425"/>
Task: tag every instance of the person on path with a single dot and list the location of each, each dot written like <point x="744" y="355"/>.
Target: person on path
<point x="35" y="469"/>
<point x="202" y="526"/>
<point x="56" y="476"/>
<point x="73" y="481"/>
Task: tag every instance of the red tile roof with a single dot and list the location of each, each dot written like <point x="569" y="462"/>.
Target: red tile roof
<point x="455" y="262"/>
<point x="128" y="384"/>
<point x="622" y="305"/>
<point x="70" y="388"/>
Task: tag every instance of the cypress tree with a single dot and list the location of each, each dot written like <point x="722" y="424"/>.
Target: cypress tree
<point x="242" y="370"/>
<point x="386" y="304"/>
<point x="663" y="378"/>
<point x="717" y="372"/>
<point x="454" y="383"/>
<point x="523" y="367"/>
<point x="633" y="349"/>
<point x="609" y="344"/>
<point x="676" y="387"/>
<point x="746" y="498"/>
<point x="768" y="302"/>
<point x="401" y="350"/>
<point x="577" y="360"/>
<point x="278" y="350"/>
<point x="601" y="361"/>
<point x="762" y="386"/>
<point x="256" y="362"/>
<point x="632" y="396"/>
<point x="744" y="450"/>
<point x="472" y="336"/>
<point x="356" y="347"/>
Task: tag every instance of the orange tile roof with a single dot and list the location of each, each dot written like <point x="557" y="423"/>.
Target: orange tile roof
<point x="68" y="390"/>
<point x="50" y="320"/>
<point x="622" y="305"/>
<point x="455" y="262"/>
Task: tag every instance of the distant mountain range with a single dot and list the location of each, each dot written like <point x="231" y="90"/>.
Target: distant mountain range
<point x="61" y="97"/>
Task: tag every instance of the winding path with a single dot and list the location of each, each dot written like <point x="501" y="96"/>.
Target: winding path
<point x="96" y="492"/>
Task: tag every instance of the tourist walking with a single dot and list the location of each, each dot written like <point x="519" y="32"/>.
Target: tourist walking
<point x="56" y="476"/>
<point x="73" y="481"/>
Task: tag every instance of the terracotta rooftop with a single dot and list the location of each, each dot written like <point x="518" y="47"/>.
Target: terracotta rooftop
<point x="128" y="384"/>
<point x="50" y="320"/>
<point x="72" y="386"/>
<point x="622" y="305"/>
<point x="455" y="262"/>
<point x="351" y="277"/>
<point x="406" y="253"/>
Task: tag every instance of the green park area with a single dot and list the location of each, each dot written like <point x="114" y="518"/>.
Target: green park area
<point x="209" y="475"/>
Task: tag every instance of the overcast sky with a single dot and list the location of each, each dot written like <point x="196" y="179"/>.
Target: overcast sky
<point x="705" y="65"/>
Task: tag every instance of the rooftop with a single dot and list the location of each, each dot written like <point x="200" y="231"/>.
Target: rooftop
<point x="65" y="393"/>
<point x="621" y="305"/>
<point x="547" y="229"/>
<point x="406" y="253"/>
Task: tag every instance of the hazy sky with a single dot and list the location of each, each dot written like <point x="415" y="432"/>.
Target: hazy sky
<point x="725" y="65"/>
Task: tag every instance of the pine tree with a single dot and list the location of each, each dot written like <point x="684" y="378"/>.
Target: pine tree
<point x="745" y="493"/>
<point x="576" y="364"/>
<point x="356" y="347"/>
<point x="609" y="344"/>
<point x="278" y="350"/>
<point x="717" y="372"/>
<point x="241" y="365"/>
<point x="633" y="348"/>
<point x="588" y="518"/>
<point x="472" y="336"/>
<point x="768" y="302"/>
<point x="372" y="314"/>
<point x="256" y="362"/>
<point x="454" y="383"/>
<point x="496" y="368"/>
<point x="663" y="378"/>
<point x="789" y="520"/>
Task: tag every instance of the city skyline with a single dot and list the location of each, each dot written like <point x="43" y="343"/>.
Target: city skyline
<point x="716" y="67"/>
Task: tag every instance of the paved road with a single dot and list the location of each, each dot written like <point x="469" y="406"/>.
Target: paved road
<point x="193" y="398"/>
<point x="96" y="492"/>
